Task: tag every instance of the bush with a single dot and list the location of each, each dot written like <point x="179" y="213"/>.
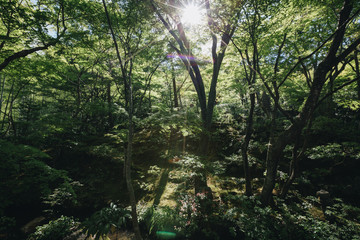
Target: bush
<point x="24" y="175"/>
<point x="289" y="221"/>
<point x="55" y="230"/>
<point x="7" y="225"/>
<point x="163" y="219"/>
<point x="102" y="222"/>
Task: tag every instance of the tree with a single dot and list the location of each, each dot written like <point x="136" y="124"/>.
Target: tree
<point x="337" y="53"/>
<point x="225" y="25"/>
<point x="250" y="32"/>
<point x="44" y="25"/>
<point x="130" y="36"/>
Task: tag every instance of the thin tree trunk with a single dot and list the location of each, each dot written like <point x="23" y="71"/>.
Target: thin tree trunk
<point x="150" y="103"/>
<point x="357" y="69"/>
<point x="274" y="154"/>
<point x="245" y="146"/>
<point x="293" y="171"/>
<point x="128" y="161"/>
<point x="176" y="103"/>
<point x="11" y="118"/>
<point x="2" y="83"/>
<point x="110" y="115"/>
<point x="169" y="83"/>
<point x="7" y="103"/>
<point x="129" y="101"/>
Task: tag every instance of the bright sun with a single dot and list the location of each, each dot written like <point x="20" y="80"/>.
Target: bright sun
<point x="193" y="14"/>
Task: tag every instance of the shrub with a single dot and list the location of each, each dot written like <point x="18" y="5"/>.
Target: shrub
<point x="102" y="222"/>
<point x="55" y="230"/>
<point x="24" y="175"/>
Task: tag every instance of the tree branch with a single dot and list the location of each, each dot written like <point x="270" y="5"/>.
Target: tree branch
<point x="320" y="46"/>
<point x="335" y="90"/>
<point x="22" y="54"/>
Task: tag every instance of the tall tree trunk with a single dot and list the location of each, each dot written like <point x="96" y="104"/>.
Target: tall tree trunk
<point x="128" y="160"/>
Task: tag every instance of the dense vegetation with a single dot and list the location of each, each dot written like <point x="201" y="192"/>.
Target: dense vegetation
<point x="179" y="119"/>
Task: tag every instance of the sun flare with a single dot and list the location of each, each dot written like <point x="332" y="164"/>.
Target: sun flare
<point x="193" y="15"/>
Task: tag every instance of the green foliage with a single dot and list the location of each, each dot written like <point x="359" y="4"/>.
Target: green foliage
<point x="328" y="129"/>
<point x="102" y="222"/>
<point x="25" y="177"/>
<point x="163" y="219"/>
<point x="327" y="151"/>
<point x="354" y="105"/>
<point x="57" y="229"/>
<point x="287" y="221"/>
<point x="69" y="99"/>
<point x="335" y="151"/>
<point x="63" y="197"/>
<point x="248" y="219"/>
<point x="191" y="164"/>
<point x="7" y="224"/>
<point x="184" y="121"/>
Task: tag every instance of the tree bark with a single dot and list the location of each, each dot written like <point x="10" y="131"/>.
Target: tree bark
<point x="293" y="171"/>
<point x="128" y="160"/>
<point x="176" y="102"/>
<point x="2" y="85"/>
<point x="109" y="103"/>
<point x="275" y="153"/>
<point x="7" y="103"/>
<point x="245" y="146"/>
<point x="357" y="69"/>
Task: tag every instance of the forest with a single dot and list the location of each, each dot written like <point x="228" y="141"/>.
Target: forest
<point x="179" y="119"/>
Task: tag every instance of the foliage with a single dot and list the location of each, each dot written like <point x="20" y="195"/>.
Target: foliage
<point x="57" y="229"/>
<point x="247" y="219"/>
<point x="333" y="130"/>
<point x="63" y="197"/>
<point x="191" y="165"/>
<point x="102" y="222"/>
<point x="287" y="220"/>
<point x="163" y="219"/>
<point x="25" y="177"/>
<point x="66" y="107"/>
<point x="7" y="224"/>
<point x="335" y="150"/>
